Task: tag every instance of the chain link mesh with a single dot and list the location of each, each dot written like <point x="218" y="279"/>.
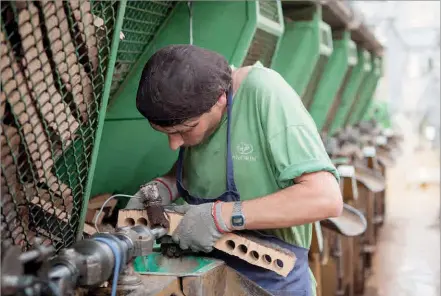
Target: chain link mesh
<point x="142" y="19"/>
<point x="54" y="56"/>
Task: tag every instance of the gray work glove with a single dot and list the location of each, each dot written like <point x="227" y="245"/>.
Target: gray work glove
<point x="166" y="193"/>
<point x="197" y="229"/>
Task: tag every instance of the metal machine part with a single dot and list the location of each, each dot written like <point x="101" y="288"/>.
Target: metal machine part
<point x="88" y="263"/>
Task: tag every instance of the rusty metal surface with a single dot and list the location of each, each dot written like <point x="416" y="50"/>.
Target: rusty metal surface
<point x="337" y="14"/>
<point x="363" y="35"/>
<point x="221" y="281"/>
<point x="370" y="178"/>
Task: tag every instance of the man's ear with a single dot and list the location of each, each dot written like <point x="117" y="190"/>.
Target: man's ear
<point x="222" y="100"/>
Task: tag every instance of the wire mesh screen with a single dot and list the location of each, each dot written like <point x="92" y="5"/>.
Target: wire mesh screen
<point x="54" y="56"/>
<point x="268" y="8"/>
<point x="142" y="20"/>
<point x="262" y="48"/>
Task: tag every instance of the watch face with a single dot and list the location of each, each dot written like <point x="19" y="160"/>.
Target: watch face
<point x="237" y="220"/>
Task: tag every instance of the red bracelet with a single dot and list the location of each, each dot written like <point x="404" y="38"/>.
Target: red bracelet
<point x="168" y="188"/>
<point x="213" y="213"/>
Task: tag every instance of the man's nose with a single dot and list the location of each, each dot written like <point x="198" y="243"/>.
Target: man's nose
<point x="175" y="141"/>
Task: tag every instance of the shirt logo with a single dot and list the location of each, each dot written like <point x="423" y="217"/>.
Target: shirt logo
<point x="244" y="148"/>
<point x="244" y="152"/>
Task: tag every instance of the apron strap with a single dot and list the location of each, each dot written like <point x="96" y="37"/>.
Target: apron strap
<point x="231" y="185"/>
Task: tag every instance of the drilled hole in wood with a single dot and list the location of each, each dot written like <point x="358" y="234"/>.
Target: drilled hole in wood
<point x="243" y="249"/>
<point x="230" y="244"/>
<point x="278" y="263"/>
<point x="254" y="255"/>
<point x="267" y="259"/>
<point x="129" y="221"/>
<point x="142" y="221"/>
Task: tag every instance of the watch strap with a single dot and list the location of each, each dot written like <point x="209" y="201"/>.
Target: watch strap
<point x="237" y="211"/>
<point x="237" y="208"/>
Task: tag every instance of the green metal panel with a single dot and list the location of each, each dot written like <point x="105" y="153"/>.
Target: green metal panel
<point x="131" y="151"/>
<point x="378" y="110"/>
<point x="353" y="60"/>
<point x="326" y="49"/>
<point x="349" y="94"/>
<point x="367" y="97"/>
<point x="267" y="35"/>
<point x="365" y="93"/>
<point x="333" y="75"/>
<point x="300" y="48"/>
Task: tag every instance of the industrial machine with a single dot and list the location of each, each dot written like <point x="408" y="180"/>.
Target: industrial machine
<point x="88" y="264"/>
<point x="117" y="263"/>
<point x="339" y="67"/>
<point x="304" y="48"/>
<point x="347" y="96"/>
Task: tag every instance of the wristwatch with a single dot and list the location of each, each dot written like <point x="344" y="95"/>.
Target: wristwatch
<point x="237" y="218"/>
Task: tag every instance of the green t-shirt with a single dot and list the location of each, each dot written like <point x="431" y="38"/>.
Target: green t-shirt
<point x="273" y="141"/>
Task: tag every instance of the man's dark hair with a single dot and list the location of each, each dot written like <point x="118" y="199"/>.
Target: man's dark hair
<point x="180" y="82"/>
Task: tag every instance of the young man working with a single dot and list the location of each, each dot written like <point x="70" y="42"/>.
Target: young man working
<point x="250" y="158"/>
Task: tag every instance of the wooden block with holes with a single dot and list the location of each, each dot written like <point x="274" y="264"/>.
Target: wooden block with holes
<point x="243" y="247"/>
<point x="89" y="229"/>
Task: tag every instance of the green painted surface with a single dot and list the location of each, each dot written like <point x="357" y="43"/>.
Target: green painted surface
<point x="336" y="101"/>
<point x="358" y="75"/>
<point x="299" y="52"/>
<point x="333" y="75"/>
<point x="187" y="265"/>
<point x="368" y="95"/>
<point x="131" y="152"/>
<point x="226" y="27"/>
<point x="326" y="49"/>
<point x="365" y="94"/>
<point x="340" y="160"/>
<point x="379" y="111"/>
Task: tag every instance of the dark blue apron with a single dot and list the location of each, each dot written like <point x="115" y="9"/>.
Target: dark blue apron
<point x="298" y="282"/>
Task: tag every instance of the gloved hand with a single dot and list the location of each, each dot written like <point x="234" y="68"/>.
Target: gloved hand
<point x="197" y="229"/>
<point x="167" y="191"/>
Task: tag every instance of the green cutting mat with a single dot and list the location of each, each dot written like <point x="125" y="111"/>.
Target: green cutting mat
<point x="156" y="263"/>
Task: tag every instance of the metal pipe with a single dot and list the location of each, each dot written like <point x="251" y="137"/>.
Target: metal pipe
<point x="59" y="271"/>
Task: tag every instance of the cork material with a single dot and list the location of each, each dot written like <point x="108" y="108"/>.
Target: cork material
<point x="252" y="251"/>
